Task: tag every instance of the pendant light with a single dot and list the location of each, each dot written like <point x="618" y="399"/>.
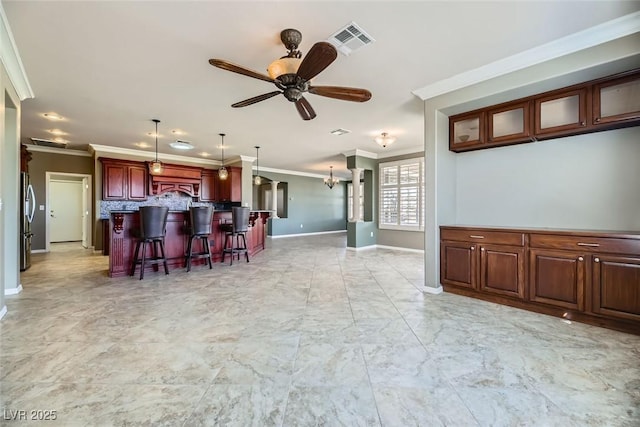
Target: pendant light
<point x="256" y="179"/>
<point x="331" y="181"/>
<point x="156" y="165"/>
<point x="222" y="172"/>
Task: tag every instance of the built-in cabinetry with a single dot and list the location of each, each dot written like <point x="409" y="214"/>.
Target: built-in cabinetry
<point x="602" y="104"/>
<point x="592" y="277"/>
<point x="123" y="180"/>
<point x="134" y="181"/>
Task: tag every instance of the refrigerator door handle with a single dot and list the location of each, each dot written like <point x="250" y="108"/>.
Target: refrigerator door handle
<point x="31" y="200"/>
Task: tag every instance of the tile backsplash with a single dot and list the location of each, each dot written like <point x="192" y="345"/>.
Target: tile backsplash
<point x="174" y="200"/>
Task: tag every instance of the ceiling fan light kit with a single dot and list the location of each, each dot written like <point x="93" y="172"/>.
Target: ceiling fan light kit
<point x="292" y="76"/>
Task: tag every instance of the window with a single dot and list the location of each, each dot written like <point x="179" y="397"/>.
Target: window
<point x="350" y="201"/>
<point x="402" y="195"/>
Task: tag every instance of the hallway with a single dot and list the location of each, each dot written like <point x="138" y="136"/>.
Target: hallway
<point x="305" y="334"/>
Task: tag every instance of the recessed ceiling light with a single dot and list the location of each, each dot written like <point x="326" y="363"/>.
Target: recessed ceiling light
<point x="205" y="154"/>
<point x="181" y="145"/>
<point x="142" y="144"/>
<point x="56" y="132"/>
<point x="177" y="132"/>
<point x="339" y="131"/>
<point x="153" y="134"/>
<point x="53" y="116"/>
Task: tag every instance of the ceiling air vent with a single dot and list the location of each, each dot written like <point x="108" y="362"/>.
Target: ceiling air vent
<point x="339" y="131"/>
<point x="350" y="38"/>
<point x="48" y="143"/>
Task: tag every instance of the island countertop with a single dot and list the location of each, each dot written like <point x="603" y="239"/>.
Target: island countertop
<point x="124" y="224"/>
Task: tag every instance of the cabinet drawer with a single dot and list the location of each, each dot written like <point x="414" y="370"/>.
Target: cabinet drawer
<point x="586" y="244"/>
<point x="483" y="236"/>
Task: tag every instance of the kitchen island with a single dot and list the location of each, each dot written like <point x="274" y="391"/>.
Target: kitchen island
<point x="123" y="229"/>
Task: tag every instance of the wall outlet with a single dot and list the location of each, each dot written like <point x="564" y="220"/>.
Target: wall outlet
<point x="372" y="234"/>
<point x="301" y="226"/>
<point x="41" y="207"/>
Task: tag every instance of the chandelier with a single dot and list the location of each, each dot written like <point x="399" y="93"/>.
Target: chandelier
<point x="384" y="139"/>
<point x="331" y="181"/>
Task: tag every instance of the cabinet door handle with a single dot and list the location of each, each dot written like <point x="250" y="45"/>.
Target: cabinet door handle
<point x="473" y="248"/>
<point x="591" y="245"/>
<point x="596" y="259"/>
<point x="476" y="237"/>
<point x="580" y="258"/>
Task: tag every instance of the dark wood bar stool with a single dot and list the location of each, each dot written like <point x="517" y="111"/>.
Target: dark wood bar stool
<point x="200" y="221"/>
<point x="153" y="224"/>
<point x="236" y="229"/>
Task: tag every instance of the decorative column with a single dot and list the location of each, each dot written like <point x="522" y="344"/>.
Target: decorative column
<point x="355" y="201"/>
<point x="274" y="198"/>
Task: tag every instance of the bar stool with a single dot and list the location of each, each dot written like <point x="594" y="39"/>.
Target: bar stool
<point x="153" y="223"/>
<point x="237" y="228"/>
<point x="200" y="217"/>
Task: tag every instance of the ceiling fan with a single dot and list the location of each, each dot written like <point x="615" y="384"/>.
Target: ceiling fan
<point x="292" y="75"/>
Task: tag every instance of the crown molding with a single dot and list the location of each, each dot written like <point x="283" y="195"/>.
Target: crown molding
<point x="247" y="158"/>
<point x="10" y="58"/>
<point x="290" y="172"/>
<point x="63" y="151"/>
<point x="401" y="153"/>
<point x="590" y="37"/>
<point x="360" y="153"/>
<point x="98" y="150"/>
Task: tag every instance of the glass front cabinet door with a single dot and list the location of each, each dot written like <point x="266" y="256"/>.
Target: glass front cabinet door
<point x="466" y="131"/>
<point x="561" y="113"/>
<point x="617" y="101"/>
<point x="509" y="123"/>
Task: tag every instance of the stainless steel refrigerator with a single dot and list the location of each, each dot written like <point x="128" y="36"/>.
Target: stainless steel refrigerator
<point x="27" y="210"/>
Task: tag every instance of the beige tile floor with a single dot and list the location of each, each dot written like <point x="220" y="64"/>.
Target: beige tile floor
<point x="306" y="334"/>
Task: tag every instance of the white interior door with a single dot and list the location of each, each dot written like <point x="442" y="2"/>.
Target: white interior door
<point x="65" y="211"/>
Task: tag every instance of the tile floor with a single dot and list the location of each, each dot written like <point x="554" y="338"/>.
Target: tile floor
<point x="306" y="334"/>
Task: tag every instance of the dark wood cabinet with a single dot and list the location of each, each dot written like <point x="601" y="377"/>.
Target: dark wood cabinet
<point x="123" y="180"/>
<point x="557" y="278"/>
<point x="230" y="189"/>
<point x="617" y="101"/>
<point x="589" y="276"/>
<point x="209" y="186"/>
<point x="509" y="123"/>
<point x="561" y="113"/>
<point x="616" y="286"/>
<point x="487" y="261"/>
<point x="607" y="103"/>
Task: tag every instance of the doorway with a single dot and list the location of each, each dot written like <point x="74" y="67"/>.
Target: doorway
<point x="68" y="209"/>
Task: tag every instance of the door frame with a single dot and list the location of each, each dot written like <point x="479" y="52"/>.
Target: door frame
<point x="86" y="204"/>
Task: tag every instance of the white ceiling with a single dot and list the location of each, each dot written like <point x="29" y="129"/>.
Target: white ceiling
<point x="110" y="67"/>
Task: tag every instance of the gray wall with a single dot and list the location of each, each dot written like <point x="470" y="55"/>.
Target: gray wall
<point x="588" y="182"/>
<point x="51" y="162"/>
<point x="311" y="203"/>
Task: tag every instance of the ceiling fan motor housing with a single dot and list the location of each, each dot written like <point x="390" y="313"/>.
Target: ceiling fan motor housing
<point x="292" y="85"/>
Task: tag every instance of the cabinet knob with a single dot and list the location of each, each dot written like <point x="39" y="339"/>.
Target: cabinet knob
<point x="580" y="258"/>
<point x="482" y="249"/>
<point x="596" y="259"/>
<point x="583" y="123"/>
<point x="597" y="119"/>
<point x="473" y="248"/>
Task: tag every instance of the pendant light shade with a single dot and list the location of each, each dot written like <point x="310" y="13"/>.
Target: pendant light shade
<point x="256" y="179"/>
<point x="222" y="172"/>
<point x="156" y="165"/>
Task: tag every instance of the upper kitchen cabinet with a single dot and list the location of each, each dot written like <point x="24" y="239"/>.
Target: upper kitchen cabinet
<point x="561" y="113"/>
<point x="230" y="189"/>
<point x="509" y="123"/>
<point x="466" y="131"/>
<point x="209" y="186"/>
<point x="123" y="180"/>
<point x="617" y="101"/>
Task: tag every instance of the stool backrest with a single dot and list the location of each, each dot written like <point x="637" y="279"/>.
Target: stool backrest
<point x="153" y="221"/>
<point x="240" y="219"/>
<point x="201" y="218"/>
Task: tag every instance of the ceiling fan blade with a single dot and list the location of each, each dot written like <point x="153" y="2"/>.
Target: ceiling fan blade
<point x="320" y="56"/>
<point x="305" y="109"/>
<point x="343" y="93"/>
<point x="225" y="65"/>
<point x="256" y="99"/>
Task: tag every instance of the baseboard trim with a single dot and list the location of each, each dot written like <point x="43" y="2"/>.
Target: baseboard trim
<point x="13" y="291"/>
<point x="433" y="291"/>
<point x="400" y="248"/>
<point x="3" y="311"/>
<point x="39" y="251"/>
<point x="281" y="236"/>
<point x="361" y="248"/>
